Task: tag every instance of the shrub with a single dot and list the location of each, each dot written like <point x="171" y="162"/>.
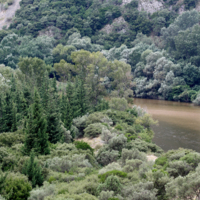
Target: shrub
<point x="144" y="146"/>
<point x="132" y="165"/>
<point x="146" y="121"/>
<point x="83" y="145"/>
<point x="178" y="168"/>
<point x="113" y="172"/>
<point x="132" y="154"/>
<point x="105" y="156"/>
<point x="120" y="117"/>
<point x="16" y="187"/>
<point x="9" y="139"/>
<point x="105" y="195"/>
<point x="120" y="104"/>
<point x="118" y="142"/>
<point x="119" y="127"/>
<point x="192" y="158"/>
<point x="98" y="117"/>
<point x="144" y="191"/>
<point x="106" y="135"/>
<point x="162" y="160"/>
<point x="112" y="183"/>
<point x="42" y="192"/>
<point x="66" y="163"/>
<point x="93" y="130"/>
<point x="110" y="167"/>
<point x="80" y="124"/>
<point x="67" y="196"/>
<point x="130" y="137"/>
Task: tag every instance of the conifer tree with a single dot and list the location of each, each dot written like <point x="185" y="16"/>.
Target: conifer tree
<point x="6" y="113"/>
<point x="54" y="127"/>
<point x="44" y="92"/>
<point x="35" y="128"/>
<point x="69" y="104"/>
<point x="81" y="97"/>
<point x="14" y="119"/>
<point x="33" y="171"/>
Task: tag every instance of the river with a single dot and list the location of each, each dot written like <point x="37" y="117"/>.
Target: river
<point x="179" y="123"/>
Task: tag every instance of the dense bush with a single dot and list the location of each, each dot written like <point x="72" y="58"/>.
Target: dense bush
<point x="98" y="117"/>
<point x="93" y="130"/>
<point x="9" y="139"/>
<point x="106" y="156"/>
<point x="114" y="172"/>
<point x="42" y="192"/>
<point x="16" y="187"/>
<point x="112" y="183"/>
<point x="83" y="145"/>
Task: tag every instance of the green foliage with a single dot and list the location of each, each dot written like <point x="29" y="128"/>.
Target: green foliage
<point x="10" y="139"/>
<point x="111" y="183"/>
<point x="120" y="117"/>
<point x="105" y="156"/>
<point x="98" y="117"/>
<point x="120" y="104"/>
<point x="33" y="171"/>
<point x="16" y="187"/>
<point x="42" y="192"/>
<point x="104" y="176"/>
<point x="93" y="130"/>
<point x="117" y="142"/>
<point x="36" y="126"/>
<point x="161" y="161"/>
<point x="83" y="145"/>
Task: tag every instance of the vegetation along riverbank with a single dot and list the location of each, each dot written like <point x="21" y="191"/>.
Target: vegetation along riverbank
<point x="60" y="139"/>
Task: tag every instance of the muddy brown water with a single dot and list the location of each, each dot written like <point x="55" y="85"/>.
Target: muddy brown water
<point x="179" y="123"/>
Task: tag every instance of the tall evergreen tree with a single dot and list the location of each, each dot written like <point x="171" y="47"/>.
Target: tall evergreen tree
<point x="36" y="127"/>
<point x="33" y="171"/>
<point x="6" y="113"/>
<point x="54" y="128"/>
<point x="81" y="97"/>
<point x="14" y="119"/>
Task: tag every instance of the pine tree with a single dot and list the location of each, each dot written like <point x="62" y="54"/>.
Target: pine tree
<point x="81" y="97"/>
<point x="33" y="171"/>
<point x="54" y="128"/>
<point x="14" y="119"/>
<point x="44" y="92"/>
<point x="36" y="126"/>
<point x="6" y="113"/>
<point x="54" y="124"/>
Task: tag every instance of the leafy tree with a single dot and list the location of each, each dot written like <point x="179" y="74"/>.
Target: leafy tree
<point x="34" y="70"/>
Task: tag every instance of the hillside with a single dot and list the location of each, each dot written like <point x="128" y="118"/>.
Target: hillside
<point x="148" y="35"/>
<point x="69" y="72"/>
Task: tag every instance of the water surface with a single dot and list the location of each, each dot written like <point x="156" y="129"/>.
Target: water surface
<point x="179" y="123"/>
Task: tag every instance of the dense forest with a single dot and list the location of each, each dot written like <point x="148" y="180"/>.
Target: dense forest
<point x="69" y="129"/>
<point x="44" y="122"/>
<point x="161" y="47"/>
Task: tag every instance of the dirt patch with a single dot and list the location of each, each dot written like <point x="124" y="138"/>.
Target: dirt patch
<point x="94" y="142"/>
<point x="7" y="15"/>
<point x="151" y="158"/>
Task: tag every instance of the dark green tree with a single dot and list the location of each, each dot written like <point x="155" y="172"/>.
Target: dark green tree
<point x="35" y="128"/>
<point x="6" y="113"/>
<point x="33" y="171"/>
<point x="14" y="119"/>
